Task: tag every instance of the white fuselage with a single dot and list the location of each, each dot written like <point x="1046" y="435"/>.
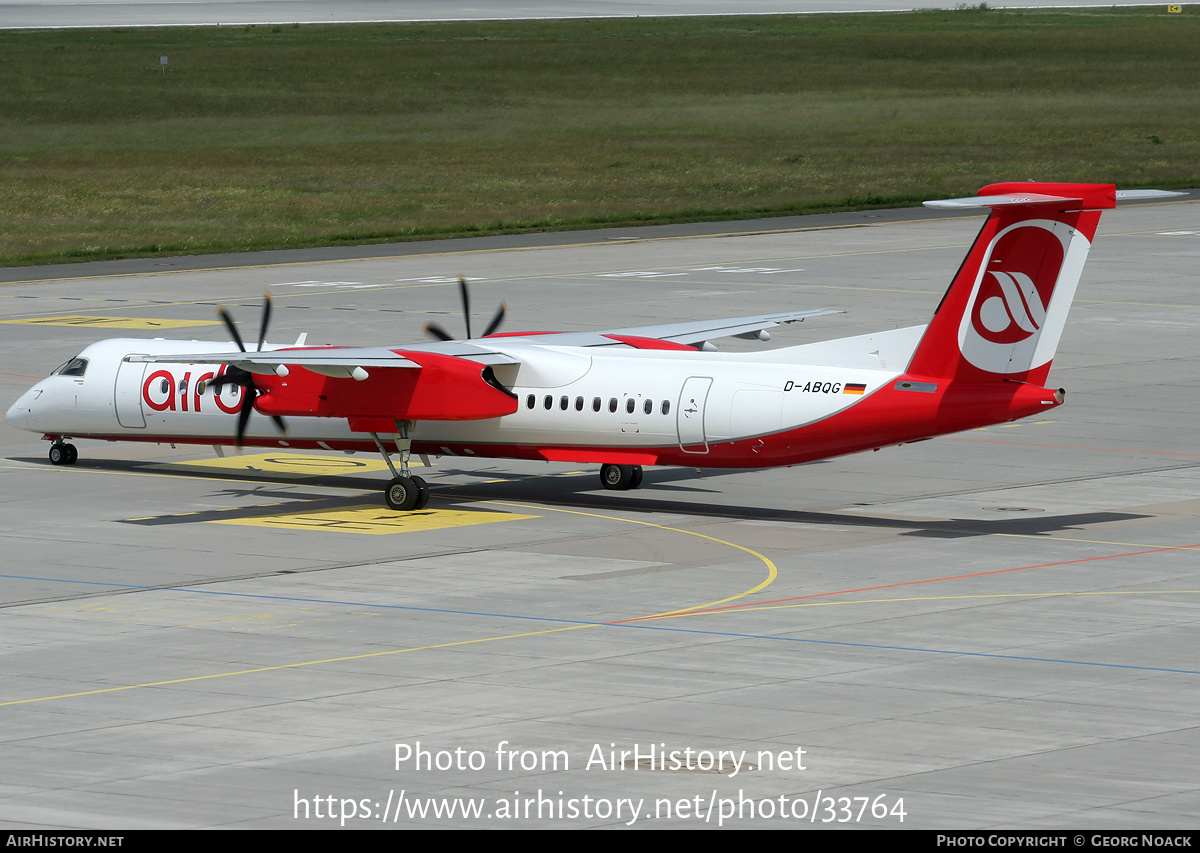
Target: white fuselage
<point x="566" y="396"/>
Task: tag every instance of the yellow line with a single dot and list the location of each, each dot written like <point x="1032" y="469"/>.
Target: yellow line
<point x="451" y="253"/>
<point x="608" y="242"/>
<point x="771" y="575"/>
<point x="290" y="666"/>
<point x="772" y="571"/>
<point x="1087" y="541"/>
<point x="206" y="475"/>
<point x="937" y="598"/>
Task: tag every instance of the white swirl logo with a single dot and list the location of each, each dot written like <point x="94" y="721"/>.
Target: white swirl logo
<point x="1011" y="315"/>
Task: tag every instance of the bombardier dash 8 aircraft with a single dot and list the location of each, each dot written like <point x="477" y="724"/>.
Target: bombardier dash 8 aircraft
<point x="622" y="398"/>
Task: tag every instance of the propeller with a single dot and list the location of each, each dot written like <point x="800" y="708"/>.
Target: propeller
<point x="244" y="379"/>
<point x="442" y="335"/>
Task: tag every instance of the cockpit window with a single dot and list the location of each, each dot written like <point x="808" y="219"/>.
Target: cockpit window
<point x="75" y="367"/>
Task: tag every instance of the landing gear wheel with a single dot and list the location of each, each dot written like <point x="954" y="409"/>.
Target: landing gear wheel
<point x="422" y="493"/>
<point x="635" y="481"/>
<point x="63" y="454"/>
<point x="616" y="477"/>
<point x="401" y="494"/>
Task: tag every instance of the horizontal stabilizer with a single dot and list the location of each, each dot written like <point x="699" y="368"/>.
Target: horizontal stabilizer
<point x="1001" y="201"/>
<point x="1060" y="196"/>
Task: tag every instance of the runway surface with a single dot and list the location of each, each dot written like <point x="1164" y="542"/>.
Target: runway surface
<point x="140" y="13"/>
<point x="997" y="629"/>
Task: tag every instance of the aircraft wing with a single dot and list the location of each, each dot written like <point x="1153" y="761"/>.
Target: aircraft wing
<point x="328" y="361"/>
<point x="444" y="381"/>
<point x="690" y="333"/>
<point x="341" y="362"/>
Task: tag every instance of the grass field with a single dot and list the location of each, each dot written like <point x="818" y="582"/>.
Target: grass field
<point x="259" y="137"/>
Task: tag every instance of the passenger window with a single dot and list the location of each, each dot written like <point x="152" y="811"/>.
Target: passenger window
<point x="648" y="406"/>
<point x="579" y="404"/>
<point x="548" y="402"/>
<point x="666" y="407"/>
<point x="165" y="386"/>
<point x="530" y="401"/>
<point x="182" y="386"/>
<point x="563" y="402"/>
<point x="612" y="404"/>
<point x="596" y="402"/>
<point x="630" y="405"/>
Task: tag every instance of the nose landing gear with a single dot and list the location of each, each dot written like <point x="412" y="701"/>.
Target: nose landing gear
<point x="62" y="453"/>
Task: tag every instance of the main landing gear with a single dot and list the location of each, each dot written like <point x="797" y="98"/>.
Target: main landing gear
<point x="621" y="478"/>
<point x="404" y="492"/>
<point x="62" y="453"/>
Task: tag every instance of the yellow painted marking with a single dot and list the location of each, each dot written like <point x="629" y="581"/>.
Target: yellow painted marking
<point x="373" y="519"/>
<point x="772" y="571"/>
<point x="292" y="665"/>
<point x="91" y="320"/>
<point x="294" y="464"/>
<point x="536" y="634"/>
<point x="1010" y="426"/>
<point x="941" y="598"/>
<point x="1053" y="538"/>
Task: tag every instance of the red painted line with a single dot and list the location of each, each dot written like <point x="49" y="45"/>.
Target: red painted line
<point x="909" y="583"/>
<point x="1075" y="447"/>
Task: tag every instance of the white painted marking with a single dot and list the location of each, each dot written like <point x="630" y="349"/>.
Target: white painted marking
<point x="756" y="270"/>
<point x="641" y="274"/>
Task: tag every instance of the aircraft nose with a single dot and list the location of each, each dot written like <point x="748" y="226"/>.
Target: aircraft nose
<point x="21" y="413"/>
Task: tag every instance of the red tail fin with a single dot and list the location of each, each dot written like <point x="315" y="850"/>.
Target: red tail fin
<point x="1005" y="310"/>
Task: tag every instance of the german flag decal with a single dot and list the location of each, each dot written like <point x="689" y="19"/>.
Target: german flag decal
<point x="854" y="388"/>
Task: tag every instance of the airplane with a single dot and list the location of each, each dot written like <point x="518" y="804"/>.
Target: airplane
<point x="621" y="398"/>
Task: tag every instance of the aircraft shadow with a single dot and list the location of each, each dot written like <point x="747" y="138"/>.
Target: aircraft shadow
<point x="658" y="494"/>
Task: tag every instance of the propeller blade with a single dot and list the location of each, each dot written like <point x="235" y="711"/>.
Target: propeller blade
<point x="266" y="318"/>
<point x="244" y="412"/>
<point x="466" y="303"/>
<point x="232" y="376"/>
<point x="438" y="332"/>
<point x="229" y="324"/>
<point x="242" y="378"/>
<point x="496" y="321"/>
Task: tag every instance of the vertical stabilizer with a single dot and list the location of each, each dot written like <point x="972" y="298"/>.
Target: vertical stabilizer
<point x="1003" y="315"/>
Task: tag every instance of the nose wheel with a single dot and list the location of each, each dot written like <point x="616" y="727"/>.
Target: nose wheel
<point x="62" y="453"/>
<point x="620" y="478"/>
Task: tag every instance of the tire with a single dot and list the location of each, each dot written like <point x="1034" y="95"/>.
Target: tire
<point x="422" y="493"/>
<point x="72" y="454"/>
<point x="616" y="477"/>
<point x="401" y="494"/>
<point x="635" y="480"/>
<point x="58" y="454"/>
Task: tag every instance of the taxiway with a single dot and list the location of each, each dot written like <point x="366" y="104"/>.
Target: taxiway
<point x="998" y="628"/>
